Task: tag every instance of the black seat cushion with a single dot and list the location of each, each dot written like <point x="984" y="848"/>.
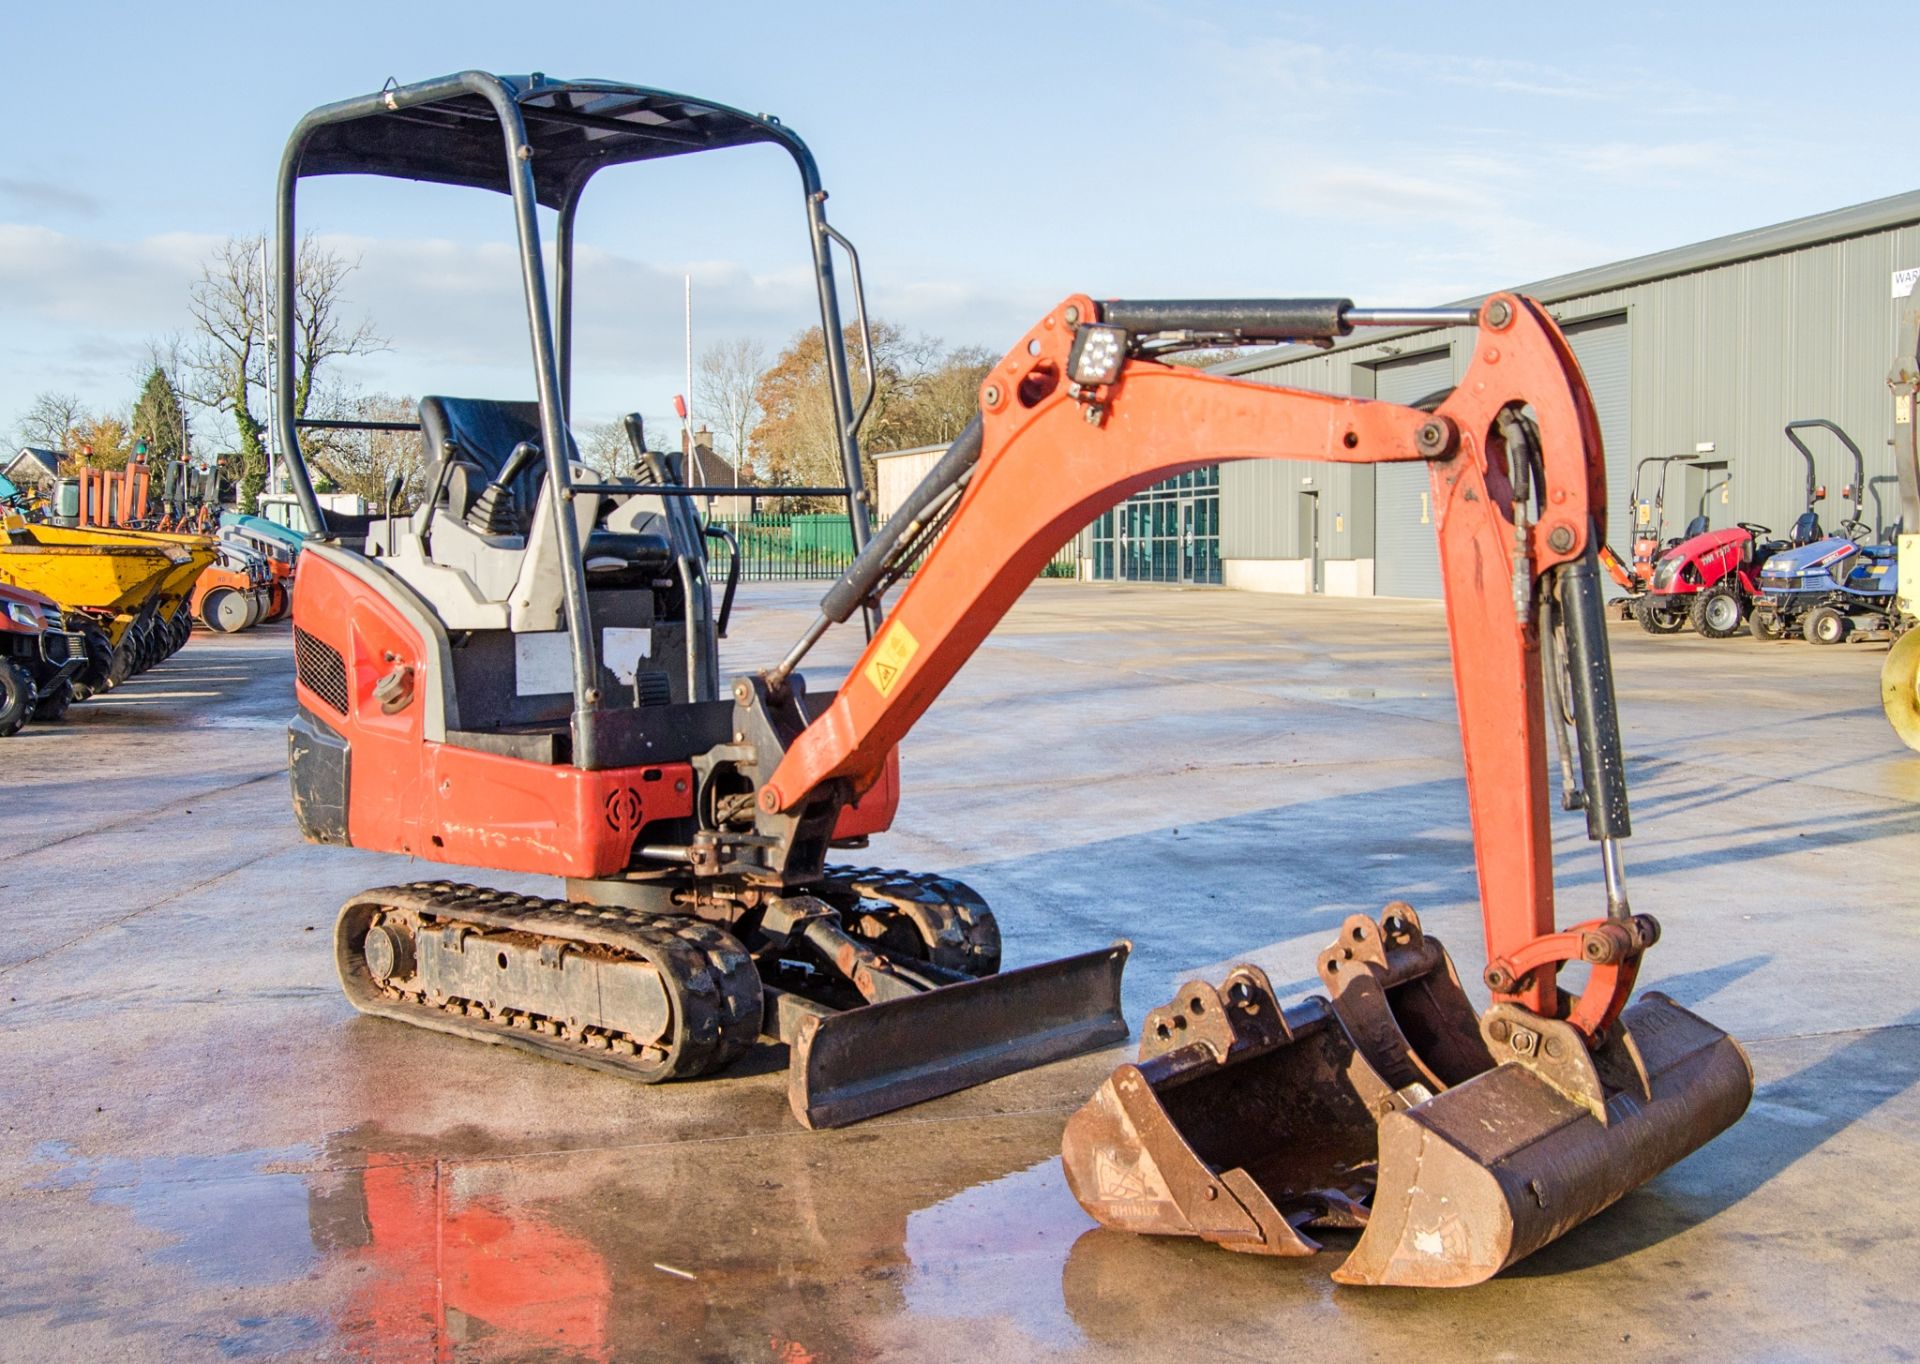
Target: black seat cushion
<point x="648" y="552"/>
<point x="484" y="433"/>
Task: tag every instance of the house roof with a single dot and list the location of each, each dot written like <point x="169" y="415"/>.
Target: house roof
<point x="34" y="462"/>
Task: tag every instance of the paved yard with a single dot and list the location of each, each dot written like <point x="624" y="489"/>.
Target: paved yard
<point x="204" y="1154"/>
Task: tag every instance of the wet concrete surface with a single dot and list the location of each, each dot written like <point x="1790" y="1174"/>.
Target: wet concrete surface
<point x="204" y="1154"/>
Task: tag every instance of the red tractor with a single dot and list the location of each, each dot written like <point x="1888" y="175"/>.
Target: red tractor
<point x="1709" y="578"/>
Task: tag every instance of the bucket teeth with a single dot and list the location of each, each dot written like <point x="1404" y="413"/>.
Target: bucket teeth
<point x="1460" y="1144"/>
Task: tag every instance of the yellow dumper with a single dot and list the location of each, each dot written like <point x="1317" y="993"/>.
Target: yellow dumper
<point x="111" y="580"/>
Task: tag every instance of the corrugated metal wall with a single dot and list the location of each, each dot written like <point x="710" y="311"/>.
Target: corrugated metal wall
<point x="1258" y="497"/>
<point x="1729" y="354"/>
<point x="1732" y="354"/>
<point x="1406" y="558"/>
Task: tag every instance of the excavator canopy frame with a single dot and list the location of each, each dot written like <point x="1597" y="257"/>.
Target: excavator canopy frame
<point x="541" y="141"/>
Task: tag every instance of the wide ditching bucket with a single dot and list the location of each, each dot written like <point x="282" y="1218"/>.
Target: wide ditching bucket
<point x="1458" y="1144"/>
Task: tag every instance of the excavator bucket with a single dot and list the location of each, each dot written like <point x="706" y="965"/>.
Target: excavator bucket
<point x="851" y="1064"/>
<point x="1488" y="1172"/>
<point x="1240" y="1124"/>
<point x="1460" y="1145"/>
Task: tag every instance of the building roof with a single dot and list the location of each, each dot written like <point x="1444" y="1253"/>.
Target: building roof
<point x="912" y="450"/>
<point x="1858" y="220"/>
<point x="34" y="462"/>
<point x="709" y="468"/>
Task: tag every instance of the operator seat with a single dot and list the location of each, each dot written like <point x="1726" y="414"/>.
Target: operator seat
<point x="1806" y="529"/>
<point x="480" y="435"/>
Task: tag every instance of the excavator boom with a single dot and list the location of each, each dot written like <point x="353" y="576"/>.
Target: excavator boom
<point x="1460" y="1142"/>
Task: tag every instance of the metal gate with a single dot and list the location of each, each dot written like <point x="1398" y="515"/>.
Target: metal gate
<point x="1406" y="553"/>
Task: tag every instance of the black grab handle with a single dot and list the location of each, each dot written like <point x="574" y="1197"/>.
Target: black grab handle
<point x="1256" y="319"/>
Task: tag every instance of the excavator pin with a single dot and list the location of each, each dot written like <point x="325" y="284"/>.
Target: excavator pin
<point x="1458" y="1144"/>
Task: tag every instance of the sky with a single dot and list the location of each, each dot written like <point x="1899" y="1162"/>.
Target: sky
<point x="986" y="158"/>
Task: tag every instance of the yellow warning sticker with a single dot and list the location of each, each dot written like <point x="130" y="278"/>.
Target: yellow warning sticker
<point x="897" y="648"/>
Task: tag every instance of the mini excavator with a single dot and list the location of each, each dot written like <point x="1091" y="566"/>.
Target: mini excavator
<point x="522" y="675"/>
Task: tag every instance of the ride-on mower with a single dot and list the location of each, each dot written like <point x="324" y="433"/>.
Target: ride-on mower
<point x="1825" y="587"/>
<point x="523" y="675"/>
<point x="1710" y="579"/>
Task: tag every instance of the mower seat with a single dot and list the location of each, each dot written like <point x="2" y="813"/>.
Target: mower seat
<point x="1806" y="529"/>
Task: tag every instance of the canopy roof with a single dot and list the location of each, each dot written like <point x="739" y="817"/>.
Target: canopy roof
<point x="575" y="128"/>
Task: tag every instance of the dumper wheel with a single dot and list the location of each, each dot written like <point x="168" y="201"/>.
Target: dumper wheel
<point x="1826" y="625"/>
<point x="93" y="677"/>
<point x="16" y="698"/>
<point x="1718" y="612"/>
<point x="123" y="660"/>
<point x="1658" y="620"/>
<point x="52" y="707"/>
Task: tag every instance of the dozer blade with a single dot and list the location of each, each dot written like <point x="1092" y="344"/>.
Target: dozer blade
<point x="1246" y="1125"/>
<point x="1494" y="1168"/>
<point x="853" y="1064"/>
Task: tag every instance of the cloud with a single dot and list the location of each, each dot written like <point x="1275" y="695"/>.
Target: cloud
<point x="42" y="196"/>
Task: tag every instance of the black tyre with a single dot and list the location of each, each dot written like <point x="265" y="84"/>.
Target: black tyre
<point x="1657" y="619"/>
<point x="16" y="698"/>
<point x="96" y="675"/>
<point x="1718" y="612"/>
<point x="1825" y="625"/>
<point x="53" y="706"/>
<point x="1766" y="625"/>
<point x="122" y="666"/>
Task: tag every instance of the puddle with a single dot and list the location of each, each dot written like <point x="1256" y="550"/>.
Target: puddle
<point x="234" y="1221"/>
<point x="997" y="1251"/>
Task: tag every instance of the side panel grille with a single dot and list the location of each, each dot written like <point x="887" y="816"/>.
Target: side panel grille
<point x="321" y="669"/>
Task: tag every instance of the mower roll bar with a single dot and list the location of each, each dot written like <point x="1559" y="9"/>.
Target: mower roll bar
<point x="549" y="321"/>
<point x="1859" y="463"/>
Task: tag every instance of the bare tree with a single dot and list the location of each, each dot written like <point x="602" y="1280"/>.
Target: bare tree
<point x="727" y="389"/>
<point x="604" y="446"/>
<point x="367" y="462"/>
<point x="49" y="418"/>
<point x="230" y="309"/>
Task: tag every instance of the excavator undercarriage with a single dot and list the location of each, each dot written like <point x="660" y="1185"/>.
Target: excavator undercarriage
<point x="523" y="674"/>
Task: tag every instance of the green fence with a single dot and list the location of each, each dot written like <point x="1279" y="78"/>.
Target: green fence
<point x="811" y="545"/>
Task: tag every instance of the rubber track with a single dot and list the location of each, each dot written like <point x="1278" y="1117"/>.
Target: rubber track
<point x="712" y="984"/>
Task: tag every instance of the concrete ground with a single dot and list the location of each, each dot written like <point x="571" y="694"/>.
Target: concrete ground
<point x="205" y="1154"/>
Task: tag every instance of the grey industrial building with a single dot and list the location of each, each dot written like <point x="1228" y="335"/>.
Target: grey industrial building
<point x="1706" y="350"/>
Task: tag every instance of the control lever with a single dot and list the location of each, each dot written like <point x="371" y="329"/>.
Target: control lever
<point x="496" y="511"/>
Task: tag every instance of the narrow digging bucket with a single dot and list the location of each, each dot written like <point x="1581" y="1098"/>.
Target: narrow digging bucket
<point x="1487" y="1172"/>
<point x="1240" y="1124"/>
<point x="851" y="1065"/>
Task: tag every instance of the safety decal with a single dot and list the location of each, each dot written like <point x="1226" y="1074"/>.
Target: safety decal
<point x="897" y="648"/>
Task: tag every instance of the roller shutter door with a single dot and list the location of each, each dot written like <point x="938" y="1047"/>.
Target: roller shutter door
<point x="1406" y="559"/>
<point x="1601" y="346"/>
